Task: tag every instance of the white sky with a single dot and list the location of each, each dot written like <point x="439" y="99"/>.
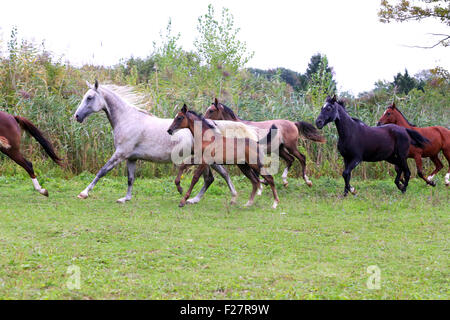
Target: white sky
<point x="282" y="33"/>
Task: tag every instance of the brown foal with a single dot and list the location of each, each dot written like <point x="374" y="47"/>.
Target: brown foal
<point x="439" y="140"/>
<point x="10" y="144"/>
<point x="249" y="161"/>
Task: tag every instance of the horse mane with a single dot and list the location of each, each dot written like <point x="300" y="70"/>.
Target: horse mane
<point x="200" y="116"/>
<point x="341" y="102"/>
<point x="130" y="96"/>
<point x="412" y="125"/>
<point x="230" y="112"/>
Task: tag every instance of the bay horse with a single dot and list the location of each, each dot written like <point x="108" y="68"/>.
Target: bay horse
<point x="10" y="135"/>
<point x="139" y="135"/>
<point x="439" y="141"/>
<point x="358" y="142"/>
<point x="289" y="133"/>
<point x="224" y="150"/>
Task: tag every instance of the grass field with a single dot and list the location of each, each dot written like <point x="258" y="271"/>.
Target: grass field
<point x="314" y="246"/>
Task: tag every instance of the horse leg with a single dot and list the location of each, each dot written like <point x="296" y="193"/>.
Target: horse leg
<point x="289" y="160"/>
<point x="112" y="162"/>
<point x="131" y="169"/>
<point x="347" y="174"/>
<point x="438" y="164"/>
<point x="248" y="172"/>
<point x="18" y="158"/>
<point x="197" y="173"/>
<point x="269" y="179"/>
<point x="447" y="156"/>
<point x="406" y="173"/>
<point x="208" y="179"/>
<point x="224" y="174"/>
<point x="302" y="160"/>
<point x="181" y="170"/>
<point x="418" y="159"/>
<point x="398" y="182"/>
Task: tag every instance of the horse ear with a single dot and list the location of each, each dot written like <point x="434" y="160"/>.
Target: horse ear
<point x="184" y="109"/>
<point x="334" y="99"/>
<point x="216" y="102"/>
<point x="96" y="84"/>
<point x="393" y="105"/>
<point x="89" y="85"/>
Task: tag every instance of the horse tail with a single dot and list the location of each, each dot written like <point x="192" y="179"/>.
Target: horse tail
<point x="33" y="131"/>
<point x="309" y="131"/>
<point x="417" y="139"/>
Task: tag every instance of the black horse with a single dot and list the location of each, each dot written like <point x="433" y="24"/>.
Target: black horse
<point x="359" y="142"/>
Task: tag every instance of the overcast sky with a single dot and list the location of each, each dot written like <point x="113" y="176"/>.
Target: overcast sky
<point x="282" y="33"/>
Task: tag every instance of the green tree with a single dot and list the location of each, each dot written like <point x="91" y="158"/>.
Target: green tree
<point x="321" y="83"/>
<point x="404" y="10"/>
<point x="218" y="44"/>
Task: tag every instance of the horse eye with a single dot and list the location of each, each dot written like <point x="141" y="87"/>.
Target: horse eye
<point x="388" y="113"/>
<point x="89" y="98"/>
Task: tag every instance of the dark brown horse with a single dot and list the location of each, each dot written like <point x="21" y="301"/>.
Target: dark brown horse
<point x="290" y="132"/>
<point x="358" y="142"/>
<point x="222" y="150"/>
<point x="439" y="140"/>
<point x="10" y="144"/>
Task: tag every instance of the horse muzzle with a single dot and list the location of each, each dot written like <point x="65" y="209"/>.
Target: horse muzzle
<point x="320" y="123"/>
<point x="170" y="131"/>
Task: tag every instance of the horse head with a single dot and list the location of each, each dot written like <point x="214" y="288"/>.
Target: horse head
<point x="328" y="113"/>
<point x="92" y="102"/>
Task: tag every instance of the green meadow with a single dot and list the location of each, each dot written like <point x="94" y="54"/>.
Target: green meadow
<point x="315" y="245"/>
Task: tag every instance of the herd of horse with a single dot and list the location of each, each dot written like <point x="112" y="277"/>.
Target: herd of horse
<point x="139" y="135"/>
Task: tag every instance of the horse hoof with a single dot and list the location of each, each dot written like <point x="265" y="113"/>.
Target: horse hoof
<point x="286" y="184"/>
<point x="121" y="200"/>
<point x="44" y="192"/>
<point x="432" y="183"/>
<point x="82" y="196"/>
<point x="275" y="204"/>
<point x="248" y="204"/>
<point x="309" y="184"/>
<point x="353" y="191"/>
<point x="181" y="205"/>
<point x="180" y="190"/>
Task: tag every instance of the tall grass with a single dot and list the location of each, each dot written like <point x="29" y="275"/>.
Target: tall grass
<point x="47" y="91"/>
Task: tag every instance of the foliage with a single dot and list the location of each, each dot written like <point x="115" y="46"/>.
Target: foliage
<point x="404" y="10"/>
<point x="47" y="90"/>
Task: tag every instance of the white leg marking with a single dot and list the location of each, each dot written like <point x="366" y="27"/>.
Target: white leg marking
<point x="260" y="189"/>
<point x="284" y="175"/>
<point x="308" y="182"/>
<point x="352" y="190"/>
<point x="430" y="178"/>
<point x="275" y="204"/>
<point x="447" y="179"/>
<point x="194" y="200"/>
<point x="38" y="187"/>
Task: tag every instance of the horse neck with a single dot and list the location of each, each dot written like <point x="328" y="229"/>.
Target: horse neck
<point x="117" y="109"/>
<point x="344" y="123"/>
<point x="401" y="121"/>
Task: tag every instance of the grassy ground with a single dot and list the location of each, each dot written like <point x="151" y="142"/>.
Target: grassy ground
<point x="314" y="246"/>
